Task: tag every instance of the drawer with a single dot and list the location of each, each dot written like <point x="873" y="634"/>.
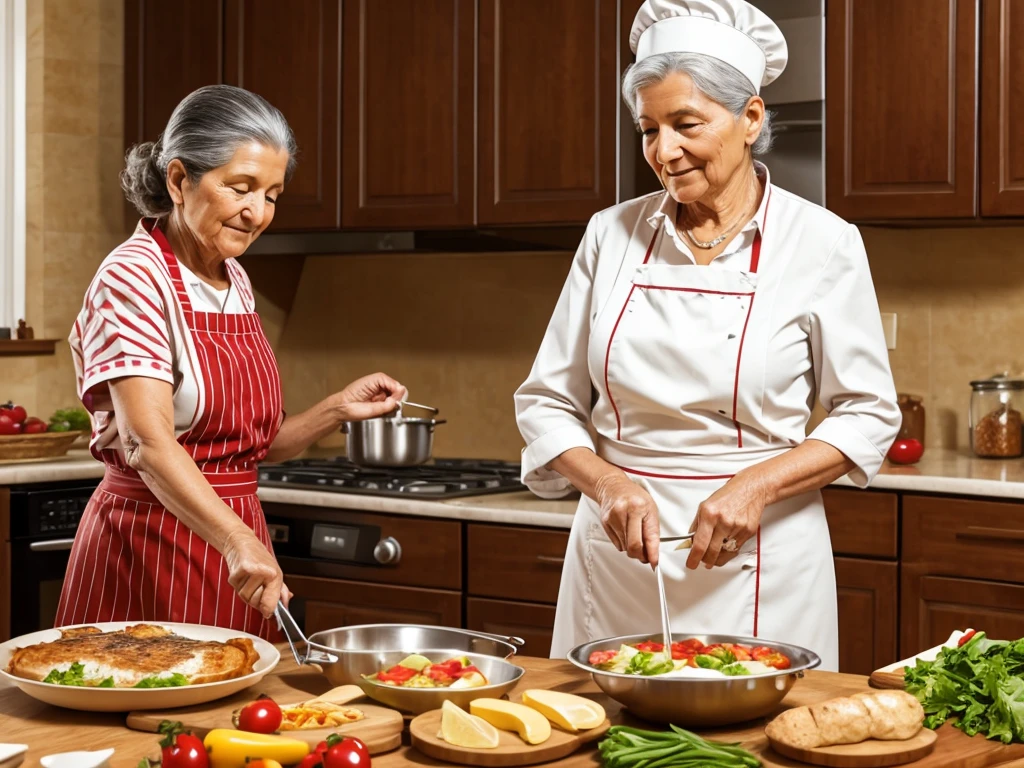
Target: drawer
<point x="534" y="623"/>
<point x="515" y="563"/>
<point x="862" y="523"/>
<point x="431" y="550"/>
<point x="964" y="537"/>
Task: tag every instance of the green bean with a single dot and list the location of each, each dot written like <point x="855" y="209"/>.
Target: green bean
<point x="627" y="747"/>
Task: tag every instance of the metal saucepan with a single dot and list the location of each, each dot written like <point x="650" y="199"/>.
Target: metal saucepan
<point x="391" y="441"/>
<point x="697" y="702"/>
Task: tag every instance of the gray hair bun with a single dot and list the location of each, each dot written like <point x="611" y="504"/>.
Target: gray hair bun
<point x="203" y="133"/>
<point x="144" y="181"/>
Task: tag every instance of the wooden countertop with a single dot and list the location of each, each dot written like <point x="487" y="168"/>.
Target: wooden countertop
<point x="49" y="730"/>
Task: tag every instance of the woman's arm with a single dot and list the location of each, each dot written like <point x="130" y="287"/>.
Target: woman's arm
<point x="365" y="398"/>
<point x="145" y="423"/>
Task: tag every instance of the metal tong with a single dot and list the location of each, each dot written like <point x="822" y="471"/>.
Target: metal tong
<point x="287" y="624"/>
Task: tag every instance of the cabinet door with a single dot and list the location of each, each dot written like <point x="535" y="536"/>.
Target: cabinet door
<point x="1002" y="108"/>
<point x="409" y="111"/>
<point x="327" y="603"/>
<point x="547" y="87"/>
<point x="290" y="54"/>
<point x="170" y="49"/>
<point x="867" y="614"/>
<point x="933" y="606"/>
<point x="900" y="109"/>
<point x="533" y="623"/>
<point x="515" y="563"/>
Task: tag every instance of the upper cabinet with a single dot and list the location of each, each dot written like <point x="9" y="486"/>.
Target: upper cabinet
<point x="1002" y="108"/>
<point x="409" y="112"/>
<point x="900" y="106"/>
<point x="291" y="55"/>
<point x="547" y="85"/>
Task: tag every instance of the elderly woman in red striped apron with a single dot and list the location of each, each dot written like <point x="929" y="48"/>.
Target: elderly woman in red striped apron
<point x="697" y="327"/>
<point x="183" y="386"/>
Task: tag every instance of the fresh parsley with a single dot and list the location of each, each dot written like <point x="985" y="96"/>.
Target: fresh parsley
<point x="174" y="681"/>
<point x="75" y="675"/>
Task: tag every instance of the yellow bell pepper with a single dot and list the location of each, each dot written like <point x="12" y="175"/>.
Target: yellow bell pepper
<point x="232" y="749"/>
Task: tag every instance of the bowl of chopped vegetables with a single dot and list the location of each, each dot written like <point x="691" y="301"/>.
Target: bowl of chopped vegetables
<point x="704" y="680"/>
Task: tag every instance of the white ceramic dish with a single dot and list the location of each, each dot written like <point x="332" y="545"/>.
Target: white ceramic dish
<point x="130" y="699"/>
<point x="95" y="759"/>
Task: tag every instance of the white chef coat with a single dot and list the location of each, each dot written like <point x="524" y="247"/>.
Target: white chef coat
<point x="684" y="374"/>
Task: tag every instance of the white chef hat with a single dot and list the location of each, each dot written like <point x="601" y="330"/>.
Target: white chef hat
<point x="732" y="31"/>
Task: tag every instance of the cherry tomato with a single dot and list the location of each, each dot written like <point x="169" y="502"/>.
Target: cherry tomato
<point x="34" y="426"/>
<point x="181" y="749"/>
<point x="966" y="638"/>
<point x="906" y="452"/>
<point x="7" y="425"/>
<point x="16" y="412"/>
<point x="260" y="716"/>
<point x="598" y="658"/>
<point x="346" y="753"/>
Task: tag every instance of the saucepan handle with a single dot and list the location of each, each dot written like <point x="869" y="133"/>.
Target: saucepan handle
<point x="518" y="642"/>
<point x="293" y="633"/>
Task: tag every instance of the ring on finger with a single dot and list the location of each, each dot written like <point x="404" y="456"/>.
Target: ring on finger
<point x="729" y="544"/>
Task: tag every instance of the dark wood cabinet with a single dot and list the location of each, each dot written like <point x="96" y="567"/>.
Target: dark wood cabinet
<point x="901" y="109"/>
<point x="533" y="623"/>
<point x="291" y="55"/>
<point x="862" y="523"/>
<point x="171" y="49"/>
<point x="408" y="106"/>
<point x="1002" y="108"/>
<point x="515" y="563"/>
<point x="868" y="616"/>
<point x="328" y="603"/>
<point x="547" y="88"/>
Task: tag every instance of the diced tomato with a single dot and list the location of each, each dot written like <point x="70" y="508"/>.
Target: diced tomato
<point x="441" y="673"/>
<point x="598" y="658"/>
<point x="966" y="638"/>
<point x="397" y="674"/>
<point x="776" y="660"/>
<point x="761" y="651"/>
<point x="466" y="670"/>
<point x="686" y="649"/>
<point x="650" y="646"/>
<point x="741" y="652"/>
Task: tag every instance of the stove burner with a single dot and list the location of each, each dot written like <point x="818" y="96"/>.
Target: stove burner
<point x="443" y="479"/>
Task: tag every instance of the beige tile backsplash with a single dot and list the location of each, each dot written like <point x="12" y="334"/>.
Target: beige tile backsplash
<point x="460" y="330"/>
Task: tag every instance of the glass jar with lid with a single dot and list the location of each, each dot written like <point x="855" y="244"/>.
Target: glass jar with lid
<point x="995" y="417"/>
<point x="912" y="409"/>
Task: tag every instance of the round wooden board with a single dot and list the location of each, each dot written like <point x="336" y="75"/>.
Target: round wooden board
<point x="867" y="754"/>
<point x="511" y="749"/>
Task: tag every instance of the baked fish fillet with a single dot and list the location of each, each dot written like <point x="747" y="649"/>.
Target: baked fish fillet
<point x="137" y="652"/>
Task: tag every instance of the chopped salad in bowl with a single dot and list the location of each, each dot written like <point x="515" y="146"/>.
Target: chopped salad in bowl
<point x="689" y="658"/>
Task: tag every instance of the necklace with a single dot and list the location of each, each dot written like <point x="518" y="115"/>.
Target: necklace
<point x="706" y="244"/>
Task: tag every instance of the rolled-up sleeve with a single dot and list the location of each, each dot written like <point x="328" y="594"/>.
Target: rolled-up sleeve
<point x="553" y="404"/>
<point x="851" y="362"/>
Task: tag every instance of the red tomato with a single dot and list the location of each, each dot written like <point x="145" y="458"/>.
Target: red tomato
<point x="260" y="716"/>
<point x="466" y="670"/>
<point x="7" y="425"/>
<point x="16" y="412"/>
<point x="440" y="674"/>
<point x="906" y="452"/>
<point x="34" y="426"/>
<point x="397" y="674"/>
<point x="181" y="749"/>
<point x="346" y="753"/>
<point x="600" y="657"/>
<point x="966" y="638"/>
<point x="686" y="649"/>
<point x="741" y="652"/>
<point x="312" y="760"/>
<point x="770" y="657"/>
<point x="650" y="646"/>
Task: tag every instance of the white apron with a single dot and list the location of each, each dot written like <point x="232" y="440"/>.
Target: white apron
<point x="683" y="368"/>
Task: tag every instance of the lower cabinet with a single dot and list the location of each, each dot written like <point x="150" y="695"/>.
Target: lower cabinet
<point x="868" y="616"/>
<point x="320" y="604"/>
<point x="530" y="621"/>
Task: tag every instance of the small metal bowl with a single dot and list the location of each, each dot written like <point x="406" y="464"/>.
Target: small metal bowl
<point x="697" y="702"/>
<point x="501" y="675"/>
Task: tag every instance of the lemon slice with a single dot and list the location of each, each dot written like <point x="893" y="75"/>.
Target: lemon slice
<point x="573" y="713"/>
<point x="531" y="725"/>
<point x="462" y="729"/>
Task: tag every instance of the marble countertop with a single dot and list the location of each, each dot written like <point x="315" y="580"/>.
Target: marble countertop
<point x="939" y="471"/>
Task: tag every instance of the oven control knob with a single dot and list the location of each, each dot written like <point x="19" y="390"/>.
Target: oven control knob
<point x="388" y="551"/>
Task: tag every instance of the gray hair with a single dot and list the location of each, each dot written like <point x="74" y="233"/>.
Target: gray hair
<point x="203" y="133"/>
<point x="720" y="82"/>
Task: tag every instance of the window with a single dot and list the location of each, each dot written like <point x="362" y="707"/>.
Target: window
<point x="12" y="162"/>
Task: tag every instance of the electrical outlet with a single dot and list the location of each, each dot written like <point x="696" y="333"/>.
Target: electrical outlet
<point x="889" y="328"/>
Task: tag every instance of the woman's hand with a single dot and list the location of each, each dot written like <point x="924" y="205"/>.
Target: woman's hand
<point x="253" y="571"/>
<point x="371" y="396"/>
<point x="629" y="516"/>
<point x="732" y="512"/>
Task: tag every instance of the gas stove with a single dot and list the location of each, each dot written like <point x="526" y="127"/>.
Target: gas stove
<point x="441" y="479"/>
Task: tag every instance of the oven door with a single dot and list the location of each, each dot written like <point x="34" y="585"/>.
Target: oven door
<point x="37" y="569"/>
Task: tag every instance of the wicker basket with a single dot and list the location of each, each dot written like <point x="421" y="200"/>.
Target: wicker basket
<point x="44" y="445"/>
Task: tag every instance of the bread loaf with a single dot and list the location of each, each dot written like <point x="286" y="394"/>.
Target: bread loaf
<point x="888" y="715"/>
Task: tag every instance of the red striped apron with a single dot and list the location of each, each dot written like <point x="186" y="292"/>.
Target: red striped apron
<point x="133" y="560"/>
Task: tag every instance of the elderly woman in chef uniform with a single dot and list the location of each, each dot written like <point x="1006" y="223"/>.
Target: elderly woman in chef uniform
<point x="676" y="379"/>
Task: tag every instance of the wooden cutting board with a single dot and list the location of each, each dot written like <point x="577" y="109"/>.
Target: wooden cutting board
<point x="380" y="730"/>
<point x="867" y="754"/>
<point x="511" y="750"/>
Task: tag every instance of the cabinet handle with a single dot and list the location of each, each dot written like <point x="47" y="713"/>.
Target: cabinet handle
<point x="981" y="532"/>
<point x="53" y="545"/>
<point x="551" y="559"/>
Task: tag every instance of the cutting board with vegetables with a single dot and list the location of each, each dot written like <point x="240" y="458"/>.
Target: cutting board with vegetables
<point x="380" y="729"/>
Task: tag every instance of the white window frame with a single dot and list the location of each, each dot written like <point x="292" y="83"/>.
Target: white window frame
<point x="13" y="56"/>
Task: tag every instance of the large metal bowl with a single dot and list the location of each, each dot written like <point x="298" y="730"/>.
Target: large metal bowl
<point x="501" y="675"/>
<point x="697" y="702"/>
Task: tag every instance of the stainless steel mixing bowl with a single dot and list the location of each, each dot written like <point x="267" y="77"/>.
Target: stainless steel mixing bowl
<point x="697" y="702"/>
